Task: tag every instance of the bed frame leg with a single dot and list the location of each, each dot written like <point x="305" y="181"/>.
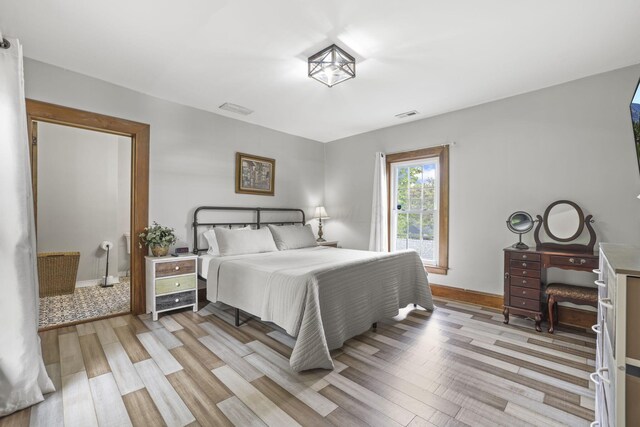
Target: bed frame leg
<point x="374" y="326"/>
<point x="237" y="317"/>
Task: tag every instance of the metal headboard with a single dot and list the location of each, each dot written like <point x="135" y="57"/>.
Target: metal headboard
<point x="257" y="222"/>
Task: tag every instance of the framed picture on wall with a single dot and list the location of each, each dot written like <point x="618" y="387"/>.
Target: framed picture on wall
<point x="255" y="174"/>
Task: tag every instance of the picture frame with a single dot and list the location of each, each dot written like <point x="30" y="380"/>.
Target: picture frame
<point x="255" y="175"/>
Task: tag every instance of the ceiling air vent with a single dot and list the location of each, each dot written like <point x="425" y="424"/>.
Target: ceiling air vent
<point x="238" y="109"/>
<point x="407" y="114"/>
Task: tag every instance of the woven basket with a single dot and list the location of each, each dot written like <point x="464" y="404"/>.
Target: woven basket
<point x="57" y="272"/>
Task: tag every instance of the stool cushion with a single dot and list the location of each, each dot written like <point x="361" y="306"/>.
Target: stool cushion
<point x="583" y="293"/>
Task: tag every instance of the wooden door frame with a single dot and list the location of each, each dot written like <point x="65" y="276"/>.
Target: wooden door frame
<point x="139" y="133"/>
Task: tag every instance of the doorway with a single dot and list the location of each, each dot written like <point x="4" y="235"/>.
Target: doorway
<point x="90" y="177"/>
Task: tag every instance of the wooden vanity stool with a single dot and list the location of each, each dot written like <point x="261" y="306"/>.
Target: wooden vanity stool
<point x="559" y="292"/>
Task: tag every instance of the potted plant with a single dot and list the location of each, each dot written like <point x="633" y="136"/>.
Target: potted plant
<point x="158" y="238"/>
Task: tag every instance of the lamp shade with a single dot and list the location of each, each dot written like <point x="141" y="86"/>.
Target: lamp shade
<point x="321" y="213"/>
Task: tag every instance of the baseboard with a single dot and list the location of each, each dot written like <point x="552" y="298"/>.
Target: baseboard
<point x="566" y="315"/>
<point x="465" y="295"/>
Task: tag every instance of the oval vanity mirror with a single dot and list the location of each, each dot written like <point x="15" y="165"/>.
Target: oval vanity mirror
<point x="520" y="222"/>
<point x="563" y="221"/>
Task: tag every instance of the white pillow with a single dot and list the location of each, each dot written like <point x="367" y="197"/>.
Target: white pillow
<point x="210" y="236"/>
<point x="293" y="236"/>
<point x="239" y="242"/>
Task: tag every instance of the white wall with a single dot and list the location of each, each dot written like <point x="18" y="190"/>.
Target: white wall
<point x="573" y="141"/>
<point x="83" y="195"/>
<point x="192" y="159"/>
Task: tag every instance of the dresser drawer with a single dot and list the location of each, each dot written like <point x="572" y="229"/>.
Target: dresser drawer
<point x="525" y="273"/>
<point x="528" y="265"/>
<point x="180" y="299"/>
<point x="527" y="304"/>
<point x="529" y="293"/>
<point x="524" y="256"/>
<point x="526" y="282"/>
<point x="174" y="284"/>
<point x="172" y="268"/>
<point x="573" y="261"/>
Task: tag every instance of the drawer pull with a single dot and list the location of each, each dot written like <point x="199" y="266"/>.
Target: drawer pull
<point x="572" y="260"/>
<point x="583" y="261"/>
<point x="524" y="265"/>
<point x="597" y="271"/>
<point x="524" y="302"/>
<point x="524" y="257"/>
<point x="524" y="273"/>
<point x="177" y="267"/>
<point x="606" y="303"/>
<point x="594" y="377"/>
<point x="596" y="329"/>
<point x="600" y="373"/>
<point x="524" y="282"/>
<point x="177" y="299"/>
<point x="177" y="284"/>
<point x="600" y="283"/>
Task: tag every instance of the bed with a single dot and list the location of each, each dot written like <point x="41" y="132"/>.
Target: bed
<point x="322" y="296"/>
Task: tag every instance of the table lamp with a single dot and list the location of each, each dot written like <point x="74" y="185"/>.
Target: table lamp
<point x="320" y="214"/>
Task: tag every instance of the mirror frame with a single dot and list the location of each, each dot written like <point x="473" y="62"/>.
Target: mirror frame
<point x="513" y="230"/>
<point x="140" y="140"/>
<point x="580" y="221"/>
<point x="571" y="247"/>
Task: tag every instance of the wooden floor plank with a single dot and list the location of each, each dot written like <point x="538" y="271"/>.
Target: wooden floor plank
<point x="76" y="400"/>
<point x="361" y="410"/>
<point x="110" y="409"/>
<point x="160" y="355"/>
<point x="243" y="367"/>
<point x="200" y="403"/>
<point x="50" y="412"/>
<point x="167" y="339"/>
<point x="141" y="409"/>
<point x="239" y="414"/>
<point x="271" y="414"/>
<point x="171" y="406"/>
<point x="134" y="348"/>
<point x="71" y="360"/>
<point x="105" y="331"/>
<point x="198" y="350"/>
<point x="211" y="385"/>
<point x="93" y="356"/>
<point x="50" y="346"/>
<point x="124" y="373"/>
<point x="290" y="404"/>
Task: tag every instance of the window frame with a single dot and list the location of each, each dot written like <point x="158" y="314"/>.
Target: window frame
<point x="442" y="154"/>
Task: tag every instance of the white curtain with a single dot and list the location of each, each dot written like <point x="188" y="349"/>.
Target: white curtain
<point x="23" y="378"/>
<point x="378" y="240"/>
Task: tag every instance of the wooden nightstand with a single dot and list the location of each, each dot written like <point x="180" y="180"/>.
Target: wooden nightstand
<point x="333" y="244"/>
<point x="172" y="283"/>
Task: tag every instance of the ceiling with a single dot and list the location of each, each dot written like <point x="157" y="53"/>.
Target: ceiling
<point x="425" y="55"/>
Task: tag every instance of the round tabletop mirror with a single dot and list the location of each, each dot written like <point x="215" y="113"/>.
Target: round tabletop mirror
<point x="563" y="221"/>
<point x="520" y="222"/>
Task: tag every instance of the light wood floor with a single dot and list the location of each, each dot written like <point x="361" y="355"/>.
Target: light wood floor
<point x="458" y="366"/>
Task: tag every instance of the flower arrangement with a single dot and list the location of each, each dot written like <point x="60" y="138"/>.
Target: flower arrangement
<point x="158" y="238"/>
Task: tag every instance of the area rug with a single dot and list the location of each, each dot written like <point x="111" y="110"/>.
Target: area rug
<point x="85" y="303"/>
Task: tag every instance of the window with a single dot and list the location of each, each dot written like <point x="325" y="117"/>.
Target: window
<point x="419" y="204"/>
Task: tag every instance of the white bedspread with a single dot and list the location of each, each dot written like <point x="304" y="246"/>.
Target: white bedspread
<point x="322" y="296"/>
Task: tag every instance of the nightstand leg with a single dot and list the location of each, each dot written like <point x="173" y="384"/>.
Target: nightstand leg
<point x="550" y="303"/>
<point x="154" y="316"/>
<point x="505" y="312"/>
<point x="195" y="308"/>
<point x="538" y="321"/>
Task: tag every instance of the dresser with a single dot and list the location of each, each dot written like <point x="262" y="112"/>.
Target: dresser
<point x="172" y="283"/>
<point x="617" y="375"/>
<point x="525" y="276"/>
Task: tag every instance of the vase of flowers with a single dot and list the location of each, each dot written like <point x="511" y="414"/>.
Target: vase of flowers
<point x="158" y="239"/>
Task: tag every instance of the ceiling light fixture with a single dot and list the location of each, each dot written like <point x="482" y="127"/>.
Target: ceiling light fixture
<point x="332" y="65"/>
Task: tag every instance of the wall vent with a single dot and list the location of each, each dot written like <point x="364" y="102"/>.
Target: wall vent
<point x="407" y="114"/>
<point x="234" y="108"/>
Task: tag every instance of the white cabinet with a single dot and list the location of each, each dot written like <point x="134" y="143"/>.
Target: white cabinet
<point x="172" y="283"/>
<point x="617" y="375"/>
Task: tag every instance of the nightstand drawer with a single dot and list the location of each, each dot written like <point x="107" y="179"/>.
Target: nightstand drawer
<point x="174" y="284"/>
<point x="527" y="304"/>
<point x="525" y="273"/>
<point x="574" y="261"/>
<point x="529" y="293"/>
<point x="524" y="256"/>
<point x="179" y="299"/>
<point x="529" y="265"/>
<point x="174" y="268"/>
<point x="526" y="282"/>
